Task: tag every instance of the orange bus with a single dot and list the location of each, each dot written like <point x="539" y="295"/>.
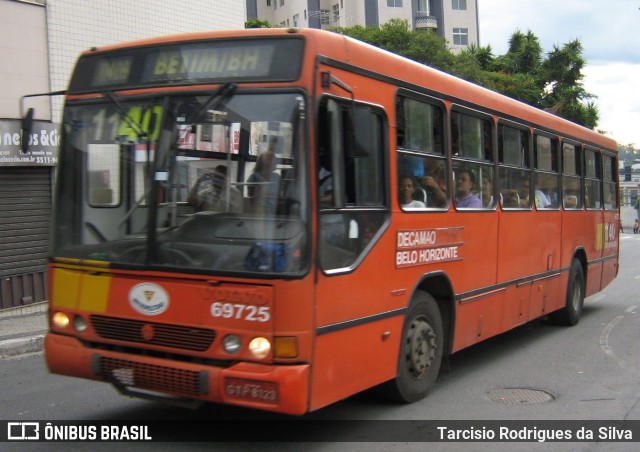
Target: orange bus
<point x="279" y="219"/>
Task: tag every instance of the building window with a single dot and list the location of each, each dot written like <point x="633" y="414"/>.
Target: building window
<point x="324" y="17"/>
<point x="461" y="36"/>
<point x="336" y="12"/>
<point x="268" y="2"/>
<point x="296" y="20"/>
<point x="394" y="3"/>
<point x="459" y="4"/>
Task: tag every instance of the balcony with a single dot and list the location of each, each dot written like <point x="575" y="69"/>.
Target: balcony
<point x="424" y="20"/>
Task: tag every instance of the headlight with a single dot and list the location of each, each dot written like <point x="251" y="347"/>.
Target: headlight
<point x="260" y="347"/>
<point x="79" y="324"/>
<point x="60" y="320"/>
<point x="231" y="344"/>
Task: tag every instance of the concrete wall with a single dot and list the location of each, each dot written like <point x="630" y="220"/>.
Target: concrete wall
<point x="23" y="57"/>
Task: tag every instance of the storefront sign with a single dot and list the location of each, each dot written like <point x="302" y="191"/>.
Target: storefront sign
<point x="43" y="144"/>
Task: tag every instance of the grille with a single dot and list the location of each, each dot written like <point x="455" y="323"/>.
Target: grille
<point x="151" y="377"/>
<point x="174" y="336"/>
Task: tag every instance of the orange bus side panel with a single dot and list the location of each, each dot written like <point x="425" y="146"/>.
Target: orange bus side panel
<point x="478" y="319"/>
<point x="354" y="359"/>
<point x="516" y="306"/>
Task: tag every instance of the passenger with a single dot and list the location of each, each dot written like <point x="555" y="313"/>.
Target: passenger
<point x="264" y="179"/>
<point x="434" y="183"/>
<point x="407" y="191"/>
<point x="465" y="181"/>
<point x="333" y="226"/>
<point x="516" y="196"/>
<point x="542" y="200"/>
<point x="510" y="199"/>
<point x="212" y="192"/>
<point x="263" y="185"/>
<point x="325" y="187"/>
<point x="524" y="191"/>
<point x="487" y="191"/>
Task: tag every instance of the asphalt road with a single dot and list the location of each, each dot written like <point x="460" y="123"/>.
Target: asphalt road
<point x="536" y="372"/>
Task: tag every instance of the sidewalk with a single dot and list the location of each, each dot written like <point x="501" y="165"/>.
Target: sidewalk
<point x="22" y="329"/>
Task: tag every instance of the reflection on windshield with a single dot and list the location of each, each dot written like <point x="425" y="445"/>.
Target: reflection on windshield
<point x="207" y="183"/>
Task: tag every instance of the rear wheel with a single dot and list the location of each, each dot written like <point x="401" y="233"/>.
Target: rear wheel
<point x="572" y="311"/>
<point x="420" y="352"/>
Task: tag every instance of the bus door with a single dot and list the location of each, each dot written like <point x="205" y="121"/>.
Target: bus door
<point x="353" y="215"/>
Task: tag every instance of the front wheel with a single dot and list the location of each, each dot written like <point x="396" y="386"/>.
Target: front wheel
<point x="421" y="351"/>
<point x="572" y="311"/>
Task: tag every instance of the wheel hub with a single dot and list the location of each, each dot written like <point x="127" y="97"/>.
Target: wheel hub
<point x="420" y="347"/>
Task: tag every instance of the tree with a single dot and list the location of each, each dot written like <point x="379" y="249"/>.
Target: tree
<point x="524" y="55"/>
<point x="257" y="23"/>
<point x="564" y="94"/>
<point x="423" y="46"/>
<point x="483" y="55"/>
<point x="522" y="87"/>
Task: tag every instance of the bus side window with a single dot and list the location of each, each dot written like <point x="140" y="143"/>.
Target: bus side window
<point x="421" y="154"/>
<point x="546" y="177"/>
<point x="429" y="176"/>
<point x="515" y="173"/>
<point x="592" y="179"/>
<point x="609" y="178"/>
<point x="472" y="148"/>
<point x="571" y="172"/>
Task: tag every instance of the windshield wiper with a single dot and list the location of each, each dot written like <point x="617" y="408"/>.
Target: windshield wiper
<point x="132" y="123"/>
<point x="215" y="101"/>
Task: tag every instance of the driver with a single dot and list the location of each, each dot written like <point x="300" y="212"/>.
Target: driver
<point x="212" y="192"/>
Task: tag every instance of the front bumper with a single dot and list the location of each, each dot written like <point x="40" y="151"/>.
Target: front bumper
<point x="278" y="388"/>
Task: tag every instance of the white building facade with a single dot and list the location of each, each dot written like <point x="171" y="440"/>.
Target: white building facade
<point x="454" y="20"/>
<point x="40" y="41"/>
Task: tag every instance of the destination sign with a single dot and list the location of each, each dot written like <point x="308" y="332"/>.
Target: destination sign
<point x="192" y="62"/>
<point x="111" y="71"/>
<point x="207" y="63"/>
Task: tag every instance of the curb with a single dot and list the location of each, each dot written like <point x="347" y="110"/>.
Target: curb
<point x="21" y="346"/>
<point x="19" y="311"/>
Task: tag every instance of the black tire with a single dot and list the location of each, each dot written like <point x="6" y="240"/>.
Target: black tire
<point x="572" y="311"/>
<point x="421" y="351"/>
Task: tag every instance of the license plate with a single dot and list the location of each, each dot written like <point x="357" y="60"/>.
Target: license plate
<point x="254" y="390"/>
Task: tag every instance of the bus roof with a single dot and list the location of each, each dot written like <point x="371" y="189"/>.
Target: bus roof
<point x="415" y="75"/>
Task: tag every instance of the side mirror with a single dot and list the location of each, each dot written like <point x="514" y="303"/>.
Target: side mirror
<point x="27" y="125"/>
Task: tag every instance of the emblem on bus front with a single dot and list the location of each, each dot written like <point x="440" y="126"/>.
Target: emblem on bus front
<point x="149" y="299"/>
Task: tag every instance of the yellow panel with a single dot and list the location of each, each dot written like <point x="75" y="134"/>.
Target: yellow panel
<point x="66" y="286"/>
<point x="94" y="294"/>
<point x="599" y="236"/>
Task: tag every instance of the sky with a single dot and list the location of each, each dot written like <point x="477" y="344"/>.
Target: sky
<point x="609" y="31"/>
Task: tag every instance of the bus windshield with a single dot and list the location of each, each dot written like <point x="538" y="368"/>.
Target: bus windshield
<point x="206" y="183"/>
